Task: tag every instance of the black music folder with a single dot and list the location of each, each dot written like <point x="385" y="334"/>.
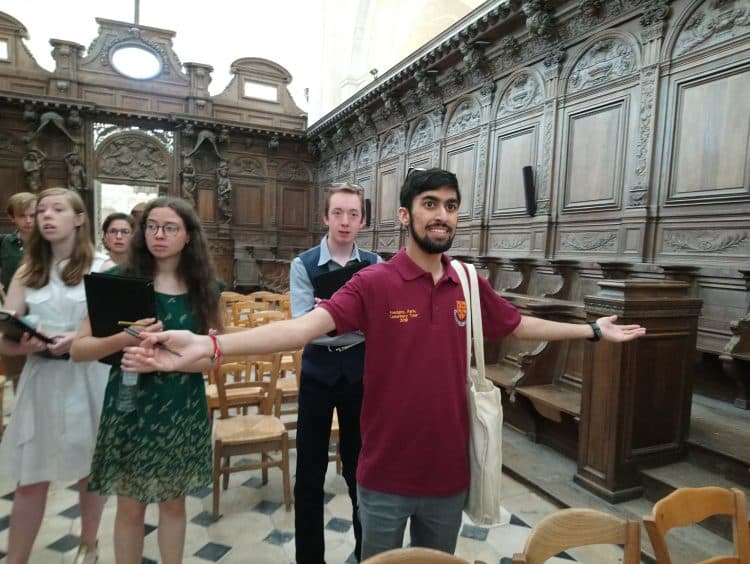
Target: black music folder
<point x="12" y="326"/>
<point x="326" y="284"/>
<point x="112" y="299"/>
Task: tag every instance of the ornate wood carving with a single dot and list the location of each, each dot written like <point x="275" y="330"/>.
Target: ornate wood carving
<point x="391" y="146"/>
<point x="294" y="171"/>
<point x="588" y="241"/>
<point x="246" y="166"/>
<point x="524" y="92"/>
<point x="704" y="241"/>
<point x="540" y="20"/>
<point x="423" y="134"/>
<point x="466" y="116"/>
<point x="504" y="242"/>
<point x="347" y="161"/>
<point x="133" y="156"/>
<point x="714" y="22"/>
<point x="605" y="61"/>
<point x="366" y="152"/>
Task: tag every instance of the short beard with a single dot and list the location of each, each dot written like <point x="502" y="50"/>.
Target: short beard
<point x="428" y="246"/>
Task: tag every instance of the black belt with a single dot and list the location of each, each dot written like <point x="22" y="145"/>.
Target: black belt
<point x="341" y="348"/>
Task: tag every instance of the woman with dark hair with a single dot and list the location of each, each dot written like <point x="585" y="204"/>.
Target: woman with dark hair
<point x="52" y="431"/>
<point x="117" y="232"/>
<point x="158" y="448"/>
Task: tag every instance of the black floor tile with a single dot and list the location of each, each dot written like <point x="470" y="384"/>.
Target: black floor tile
<point x="267" y="507"/>
<point x="9" y="496"/>
<point x="278" y="538"/>
<point x="474" y="532"/>
<point x="516" y="521"/>
<point x="339" y="525"/>
<point x="213" y="551"/>
<point x="4" y="522"/>
<point x="145" y="560"/>
<point x="200" y="493"/>
<point x="352" y="559"/>
<point x="328" y="496"/>
<point x="204" y="519"/>
<point x="72" y="512"/>
<point x="148" y="529"/>
<point x="64" y="544"/>
<point x="253" y="482"/>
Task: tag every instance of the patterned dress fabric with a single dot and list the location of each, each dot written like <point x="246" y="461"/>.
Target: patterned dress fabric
<point x="51" y="435"/>
<point x="162" y="449"/>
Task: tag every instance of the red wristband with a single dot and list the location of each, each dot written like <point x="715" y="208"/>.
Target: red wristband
<point x="218" y="353"/>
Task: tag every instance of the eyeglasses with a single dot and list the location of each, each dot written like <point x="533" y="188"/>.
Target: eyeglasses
<point x="169" y="229"/>
<point x="336" y="186"/>
<point x="413" y="169"/>
<point x="116" y="232"/>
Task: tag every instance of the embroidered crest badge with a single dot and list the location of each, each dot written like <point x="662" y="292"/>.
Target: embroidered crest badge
<point x="459" y="314"/>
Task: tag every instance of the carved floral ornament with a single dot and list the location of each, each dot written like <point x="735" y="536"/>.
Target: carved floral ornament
<point x="423" y="134"/>
<point x="391" y="146"/>
<point x="347" y="161"/>
<point x="524" y="92"/>
<point x="714" y="22"/>
<point x="588" y="241"/>
<point x="294" y="171"/>
<point x="133" y="156"/>
<point x="704" y="241"/>
<point x="247" y="166"/>
<point x="605" y="61"/>
<point x="466" y="116"/>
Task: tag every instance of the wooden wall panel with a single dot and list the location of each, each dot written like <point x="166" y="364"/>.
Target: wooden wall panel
<point x="712" y="138"/>
<point x="390" y="183"/>
<point x="294" y="208"/>
<point x="514" y="151"/>
<point x="249" y="205"/>
<point x="594" y="160"/>
<point x="461" y="160"/>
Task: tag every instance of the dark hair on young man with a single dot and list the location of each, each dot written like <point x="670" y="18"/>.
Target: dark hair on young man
<point x="114" y="217"/>
<point x="196" y="267"/>
<point x="418" y="181"/>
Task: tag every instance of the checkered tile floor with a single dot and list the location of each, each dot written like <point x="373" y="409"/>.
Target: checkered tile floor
<point x="255" y="528"/>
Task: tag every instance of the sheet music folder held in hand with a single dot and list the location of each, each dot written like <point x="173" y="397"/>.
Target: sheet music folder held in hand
<point x="112" y="298"/>
<point x="326" y="284"/>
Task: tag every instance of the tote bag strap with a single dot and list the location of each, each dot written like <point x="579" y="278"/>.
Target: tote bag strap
<point x="470" y="289"/>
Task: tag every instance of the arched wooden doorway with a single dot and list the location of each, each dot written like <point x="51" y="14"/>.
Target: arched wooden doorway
<point x="131" y="165"/>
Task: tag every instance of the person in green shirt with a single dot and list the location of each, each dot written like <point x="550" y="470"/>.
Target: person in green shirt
<point x="22" y="212"/>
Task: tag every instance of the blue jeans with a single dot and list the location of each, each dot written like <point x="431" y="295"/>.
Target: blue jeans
<point x="435" y="521"/>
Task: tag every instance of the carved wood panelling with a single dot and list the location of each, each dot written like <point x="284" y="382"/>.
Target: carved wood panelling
<point x="595" y="158"/>
<point x="714" y="22"/>
<point x="606" y="60"/>
<point x="366" y="153"/>
<point x="423" y="134"/>
<point x="461" y="160"/>
<point x="249" y="205"/>
<point x="525" y="91"/>
<point x="133" y="157"/>
<point x="504" y="242"/>
<point x="711" y="139"/>
<point x="329" y="169"/>
<point x="391" y="146"/>
<point x="707" y="242"/>
<point x="295" y="172"/>
<point x="466" y="116"/>
<point x="294" y="208"/>
<point x="513" y="151"/>
<point x="389" y="183"/>
<point x="589" y="242"/>
<point x="246" y="166"/>
<point x="347" y="161"/>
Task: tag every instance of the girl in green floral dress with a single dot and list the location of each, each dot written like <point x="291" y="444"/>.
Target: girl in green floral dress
<point x="158" y="448"/>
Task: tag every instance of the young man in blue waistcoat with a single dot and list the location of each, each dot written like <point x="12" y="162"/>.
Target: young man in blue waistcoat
<point x="332" y="370"/>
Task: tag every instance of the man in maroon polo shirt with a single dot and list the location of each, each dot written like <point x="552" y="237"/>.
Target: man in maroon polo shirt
<point x="414" y="424"/>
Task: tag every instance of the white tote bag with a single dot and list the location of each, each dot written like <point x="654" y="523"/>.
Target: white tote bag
<point x="485" y="414"/>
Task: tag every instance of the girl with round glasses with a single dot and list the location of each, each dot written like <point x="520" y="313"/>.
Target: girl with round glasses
<point x="160" y="449"/>
<point x="117" y="231"/>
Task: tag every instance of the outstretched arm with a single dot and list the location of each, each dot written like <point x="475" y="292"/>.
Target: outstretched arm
<point x="545" y="330"/>
<point x="184" y="350"/>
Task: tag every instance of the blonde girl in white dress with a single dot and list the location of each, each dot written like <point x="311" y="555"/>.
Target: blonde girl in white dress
<point x="52" y="432"/>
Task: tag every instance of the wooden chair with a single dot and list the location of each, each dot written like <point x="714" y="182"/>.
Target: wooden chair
<point x="250" y="434"/>
<point x="232" y="369"/>
<point x="242" y="312"/>
<point x="266" y="316"/>
<point x="414" y="555"/>
<point x="570" y="528"/>
<point x="226" y="300"/>
<point x="686" y="506"/>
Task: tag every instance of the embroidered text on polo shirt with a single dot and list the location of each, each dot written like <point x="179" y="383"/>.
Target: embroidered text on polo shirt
<point x="403" y="315"/>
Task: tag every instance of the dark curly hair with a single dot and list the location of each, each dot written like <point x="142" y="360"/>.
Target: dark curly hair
<point x="196" y="267"/>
